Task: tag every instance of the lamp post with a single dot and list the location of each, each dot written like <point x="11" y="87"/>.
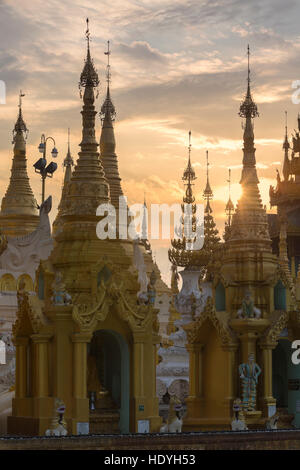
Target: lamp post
<point x="41" y="166"/>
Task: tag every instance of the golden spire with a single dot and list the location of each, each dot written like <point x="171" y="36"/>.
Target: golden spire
<point x="207" y="193"/>
<point x="211" y="234"/>
<point x="248" y="110"/>
<point x="108" y="155"/>
<point x="249" y="222"/>
<point x="286" y="147"/>
<point x="108" y="107"/>
<point x="229" y="209"/>
<point x="20" y="126"/>
<point x="88" y="187"/>
<point x="68" y="163"/>
<point x="19" y="214"/>
<point x="189" y="176"/>
<point x="89" y="76"/>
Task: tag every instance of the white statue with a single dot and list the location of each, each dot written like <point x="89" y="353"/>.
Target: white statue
<point x="174" y="422"/>
<point x="24" y="253"/>
<point x="238" y="423"/>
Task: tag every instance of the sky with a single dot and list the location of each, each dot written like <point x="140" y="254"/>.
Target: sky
<point x="176" y="66"/>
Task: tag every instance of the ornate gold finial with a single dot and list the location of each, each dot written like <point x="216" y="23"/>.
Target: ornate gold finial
<point x="207" y="193"/>
<point x="20" y="126"/>
<point x="89" y="76"/>
<point x="189" y="176"/>
<point x="108" y="75"/>
<point x="229" y="209"/>
<point x="108" y="109"/>
<point x="248" y="108"/>
<point x="68" y="161"/>
<point x="180" y="254"/>
<point x="286" y="147"/>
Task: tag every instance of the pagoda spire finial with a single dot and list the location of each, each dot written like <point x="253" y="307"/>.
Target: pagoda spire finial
<point x="189" y="175"/>
<point x="108" y="110"/>
<point x="207" y="193"/>
<point x="249" y="222"/>
<point x="108" y="76"/>
<point x="107" y="141"/>
<point x="68" y="161"/>
<point x="286" y="147"/>
<point x="248" y="108"/>
<point x="20" y="126"/>
<point x="229" y="209"/>
<point x="89" y="77"/>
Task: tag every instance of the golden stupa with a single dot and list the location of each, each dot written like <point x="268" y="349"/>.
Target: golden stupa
<point x="86" y="295"/>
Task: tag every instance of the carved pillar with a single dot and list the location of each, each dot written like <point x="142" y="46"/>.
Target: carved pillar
<point x="80" y="341"/>
<point x="268" y="403"/>
<point x="138" y="380"/>
<point x="195" y="399"/>
<point x="40" y="365"/>
<point x="21" y="344"/>
<point x="80" y="412"/>
<point x="232" y="376"/>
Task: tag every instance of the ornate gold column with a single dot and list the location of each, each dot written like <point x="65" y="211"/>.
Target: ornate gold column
<point x="80" y="398"/>
<point x="41" y="365"/>
<point x="268" y="403"/>
<point x="230" y="350"/>
<point x="21" y="344"/>
<point x="248" y="331"/>
<point x="138" y="397"/>
<point x="195" y="400"/>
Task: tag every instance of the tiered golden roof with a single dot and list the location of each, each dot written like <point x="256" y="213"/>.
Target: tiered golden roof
<point x="249" y="222"/>
<point x="108" y="155"/>
<point x="19" y="209"/>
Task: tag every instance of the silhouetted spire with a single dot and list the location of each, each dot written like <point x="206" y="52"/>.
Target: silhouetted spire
<point x="108" y="143"/>
<point x="286" y="147"/>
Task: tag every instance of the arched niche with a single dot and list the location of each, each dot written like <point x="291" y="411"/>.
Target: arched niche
<point x="112" y="360"/>
<point x="220" y="297"/>
<point x="279" y="296"/>
<point x="28" y="283"/>
<point x="8" y="283"/>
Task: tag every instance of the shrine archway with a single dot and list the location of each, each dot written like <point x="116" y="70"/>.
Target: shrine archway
<point x="112" y="359"/>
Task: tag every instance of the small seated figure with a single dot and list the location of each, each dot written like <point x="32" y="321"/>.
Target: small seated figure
<point x="60" y="295"/>
<point x="238" y="423"/>
<point x="248" y="309"/>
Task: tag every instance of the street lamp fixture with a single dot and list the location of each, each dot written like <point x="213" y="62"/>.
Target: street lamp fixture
<point x="41" y="167"/>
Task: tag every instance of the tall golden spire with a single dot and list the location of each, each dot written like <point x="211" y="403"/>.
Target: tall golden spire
<point x="107" y="141"/>
<point x="229" y="209"/>
<point x="286" y="147"/>
<point x="19" y="213"/>
<point x="211" y="233"/>
<point x="207" y="193"/>
<point x="189" y="176"/>
<point x="250" y="220"/>
<point x="88" y="186"/>
<point x="68" y="164"/>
